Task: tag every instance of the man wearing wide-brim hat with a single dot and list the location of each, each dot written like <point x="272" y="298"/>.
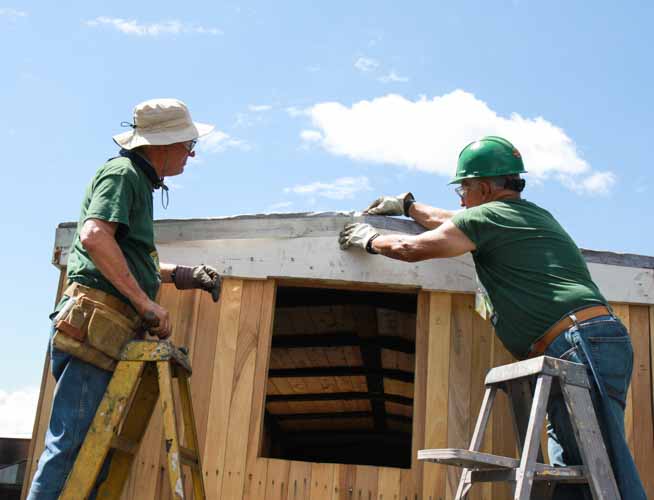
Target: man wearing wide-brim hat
<point x="113" y="266"/>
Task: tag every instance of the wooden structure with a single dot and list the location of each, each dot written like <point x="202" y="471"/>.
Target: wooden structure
<point x="313" y="354"/>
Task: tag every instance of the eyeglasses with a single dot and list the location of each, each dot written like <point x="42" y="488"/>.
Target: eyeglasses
<point x="461" y="191"/>
<point x="190" y="145"/>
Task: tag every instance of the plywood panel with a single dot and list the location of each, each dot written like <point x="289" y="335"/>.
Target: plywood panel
<point x="322" y="480"/>
<point x="643" y="425"/>
<point x="438" y="370"/>
<point x="299" y="481"/>
<point x="221" y="387"/>
<point x="256" y="479"/>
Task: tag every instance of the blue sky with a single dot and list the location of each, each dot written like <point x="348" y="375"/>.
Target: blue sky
<point x="318" y="106"/>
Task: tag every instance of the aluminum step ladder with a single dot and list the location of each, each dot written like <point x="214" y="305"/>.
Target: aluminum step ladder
<point x="528" y="418"/>
<point x="143" y="375"/>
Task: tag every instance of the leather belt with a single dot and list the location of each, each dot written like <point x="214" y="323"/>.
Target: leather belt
<point x="539" y="347"/>
<point x="75" y="289"/>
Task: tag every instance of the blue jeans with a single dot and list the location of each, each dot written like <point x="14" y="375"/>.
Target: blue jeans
<point x="603" y="345"/>
<point x="79" y="390"/>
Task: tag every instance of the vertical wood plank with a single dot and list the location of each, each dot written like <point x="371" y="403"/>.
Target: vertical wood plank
<point x="344" y="482"/>
<point x="622" y="312"/>
<point x="389" y="484"/>
<point x="438" y="383"/>
<point x="504" y="442"/>
<point x="44" y="405"/>
<point x="255" y="468"/>
<point x="299" y="481"/>
<point x="221" y="387"/>
<point x="410" y="487"/>
<point x="255" y="480"/>
<point x="642" y="395"/>
<point x="411" y="482"/>
<point x="482" y="347"/>
<point x="458" y="422"/>
<point x="277" y="480"/>
<point x="243" y="383"/>
<point x="366" y="481"/>
<point x="322" y="481"/>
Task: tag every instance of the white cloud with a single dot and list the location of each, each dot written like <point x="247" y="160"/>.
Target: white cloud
<point x="294" y="111"/>
<point x="12" y="13"/>
<point x="365" y="64"/>
<point x="393" y="77"/>
<point x="311" y="135"/>
<point x="17" y="412"/>
<point x="428" y="134"/>
<point x="259" y="108"/>
<point x="339" y="189"/>
<point x="132" y="27"/>
<point x="218" y="142"/>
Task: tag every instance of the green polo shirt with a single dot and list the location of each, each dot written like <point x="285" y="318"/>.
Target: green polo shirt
<point x="120" y="192"/>
<point x="531" y="269"/>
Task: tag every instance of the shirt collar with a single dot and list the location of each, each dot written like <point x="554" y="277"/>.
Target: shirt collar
<point x="141" y="162"/>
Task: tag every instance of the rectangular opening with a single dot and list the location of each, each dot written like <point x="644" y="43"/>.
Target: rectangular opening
<point x="341" y="377"/>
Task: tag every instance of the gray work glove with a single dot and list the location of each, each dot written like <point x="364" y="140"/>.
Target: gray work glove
<point x="203" y="277"/>
<point x="357" y="235"/>
<point x="391" y="205"/>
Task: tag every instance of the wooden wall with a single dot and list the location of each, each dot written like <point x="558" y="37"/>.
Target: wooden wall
<point x="229" y="345"/>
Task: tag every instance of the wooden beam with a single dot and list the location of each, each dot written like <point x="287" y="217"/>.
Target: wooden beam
<point x="339" y="396"/>
<point x="366" y="324"/>
<point x="342" y="339"/>
<point x="347" y="436"/>
<point x="336" y="415"/>
<point x="341" y="371"/>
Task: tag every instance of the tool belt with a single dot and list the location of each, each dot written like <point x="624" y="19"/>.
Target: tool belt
<point x="94" y="326"/>
<point x="541" y="345"/>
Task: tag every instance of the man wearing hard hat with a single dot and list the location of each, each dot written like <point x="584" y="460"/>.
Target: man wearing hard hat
<point x="535" y="286"/>
<point x="113" y="266"/>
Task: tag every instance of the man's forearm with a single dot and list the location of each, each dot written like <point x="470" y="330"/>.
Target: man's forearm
<point x="430" y="217"/>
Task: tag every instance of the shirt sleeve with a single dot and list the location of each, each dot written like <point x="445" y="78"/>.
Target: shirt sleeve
<point x="476" y="225"/>
<point x="111" y="198"/>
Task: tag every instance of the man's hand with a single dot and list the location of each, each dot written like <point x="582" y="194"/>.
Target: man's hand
<point x="203" y="277"/>
<point x="388" y="205"/>
<point x="357" y="235"/>
<point x="156" y="319"/>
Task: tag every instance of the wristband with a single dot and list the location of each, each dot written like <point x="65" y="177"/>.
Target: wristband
<point x="369" y="248"/>
<point x="408" y="201"/>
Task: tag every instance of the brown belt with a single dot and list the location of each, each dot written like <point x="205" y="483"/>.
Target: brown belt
<point x="75" y="289"/>
<point x="539" y="347"/>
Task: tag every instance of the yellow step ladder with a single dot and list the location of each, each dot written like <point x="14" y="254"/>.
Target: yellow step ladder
<point x="143" y="375"/>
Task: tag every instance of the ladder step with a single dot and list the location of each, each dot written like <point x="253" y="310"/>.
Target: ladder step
<point x="575" y="474"/>
<point x="188" y="457"/>
<point x="468" y="459"/>
<point x="123" y="444"/>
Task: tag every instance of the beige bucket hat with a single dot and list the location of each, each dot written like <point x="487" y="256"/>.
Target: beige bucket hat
<point x="159" y="122"/>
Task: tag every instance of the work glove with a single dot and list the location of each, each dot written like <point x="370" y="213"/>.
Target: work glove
<point x="357" y="235"/>
<point x="391" y="205"/>
<point x="203" y="277"/>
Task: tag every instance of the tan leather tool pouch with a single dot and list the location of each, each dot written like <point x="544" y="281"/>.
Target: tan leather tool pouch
<point x="94" y="332"/>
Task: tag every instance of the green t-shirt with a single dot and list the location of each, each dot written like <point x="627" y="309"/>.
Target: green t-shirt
<point x="532" y="270"/>
<point x="120" y="192"/>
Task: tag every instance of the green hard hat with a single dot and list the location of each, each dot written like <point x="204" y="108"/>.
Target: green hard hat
<point x="490" y="156"/>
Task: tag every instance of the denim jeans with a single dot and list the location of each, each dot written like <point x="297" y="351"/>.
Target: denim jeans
<point x="79" y="390"/>
<point x="603" y="345"/>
